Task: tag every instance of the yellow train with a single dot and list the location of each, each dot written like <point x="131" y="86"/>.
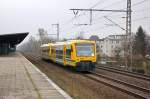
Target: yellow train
<point x="78" y="54"/>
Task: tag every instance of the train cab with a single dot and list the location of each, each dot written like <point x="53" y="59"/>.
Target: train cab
<point x="83" y="55"/>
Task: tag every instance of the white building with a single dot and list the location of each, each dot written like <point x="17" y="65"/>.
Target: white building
<point x="112" y="45"/>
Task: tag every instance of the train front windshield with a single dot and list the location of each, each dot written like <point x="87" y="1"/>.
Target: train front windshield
<point x="85" y="49"/>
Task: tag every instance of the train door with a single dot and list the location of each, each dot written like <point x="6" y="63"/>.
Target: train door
<point x="49" y="54"/>
<point x="64" y="54"/>
<point x="68" y="54"/>
<point x="53" y="53"/>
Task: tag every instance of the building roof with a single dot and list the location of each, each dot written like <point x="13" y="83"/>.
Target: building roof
<point x="114" y="38"/>
<point x="13" y="39"/>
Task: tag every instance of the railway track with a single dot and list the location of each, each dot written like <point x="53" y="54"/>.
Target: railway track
<point x="134" y="90"/>
<point x="123" y="72"/>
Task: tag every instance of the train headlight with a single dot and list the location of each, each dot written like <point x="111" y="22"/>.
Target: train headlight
<point x="92" y="54"/>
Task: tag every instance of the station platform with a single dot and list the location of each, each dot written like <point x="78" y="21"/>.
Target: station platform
<point x="20" y="79"/>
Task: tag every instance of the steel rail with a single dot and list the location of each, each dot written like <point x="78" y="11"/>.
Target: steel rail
<point x="136" y="75"/>
<point x="122" y="86"/>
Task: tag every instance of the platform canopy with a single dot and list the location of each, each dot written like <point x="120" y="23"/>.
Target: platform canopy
<point x="13" y="39"/>
<point x="8" y="42"/>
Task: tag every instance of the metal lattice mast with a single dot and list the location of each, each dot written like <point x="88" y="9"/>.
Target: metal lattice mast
<point x="128" y="30"/>
<point x="128" y="19"/>
<point x="57" y="31"/>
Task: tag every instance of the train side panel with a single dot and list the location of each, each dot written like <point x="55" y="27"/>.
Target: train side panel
<point x="53" y="54"/>
<point x="44" y="50"/>
<point x="59" y="53"/>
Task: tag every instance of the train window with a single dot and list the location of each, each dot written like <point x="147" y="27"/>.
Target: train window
<point x="85" y="49"/>
<point x="59" y="54"/>
<point x="68" y="53"/>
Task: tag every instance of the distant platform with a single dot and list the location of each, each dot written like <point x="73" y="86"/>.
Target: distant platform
<point x="20" y="79"/>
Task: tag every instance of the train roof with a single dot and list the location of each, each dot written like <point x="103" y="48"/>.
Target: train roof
<point x="68" y="42"/>
<point x="44" y="45"/>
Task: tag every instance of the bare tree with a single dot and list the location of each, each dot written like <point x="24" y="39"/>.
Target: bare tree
<point x="44" y="38"/>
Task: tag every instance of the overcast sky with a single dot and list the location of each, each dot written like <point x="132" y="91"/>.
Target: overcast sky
<point x="28" y="15"/>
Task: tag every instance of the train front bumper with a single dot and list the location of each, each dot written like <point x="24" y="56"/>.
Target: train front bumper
<point x="85" y="66"/>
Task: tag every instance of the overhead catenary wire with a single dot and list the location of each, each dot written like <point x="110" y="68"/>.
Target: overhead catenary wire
<point x="111" y="4"/>
<point x="98" y="3"/>
<point x="106" y="27"/>
<point x="135" y="4"/>
<point x="93" y="7"/>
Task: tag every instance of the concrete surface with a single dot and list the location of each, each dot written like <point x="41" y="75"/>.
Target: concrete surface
<point x="20" y="79"/>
